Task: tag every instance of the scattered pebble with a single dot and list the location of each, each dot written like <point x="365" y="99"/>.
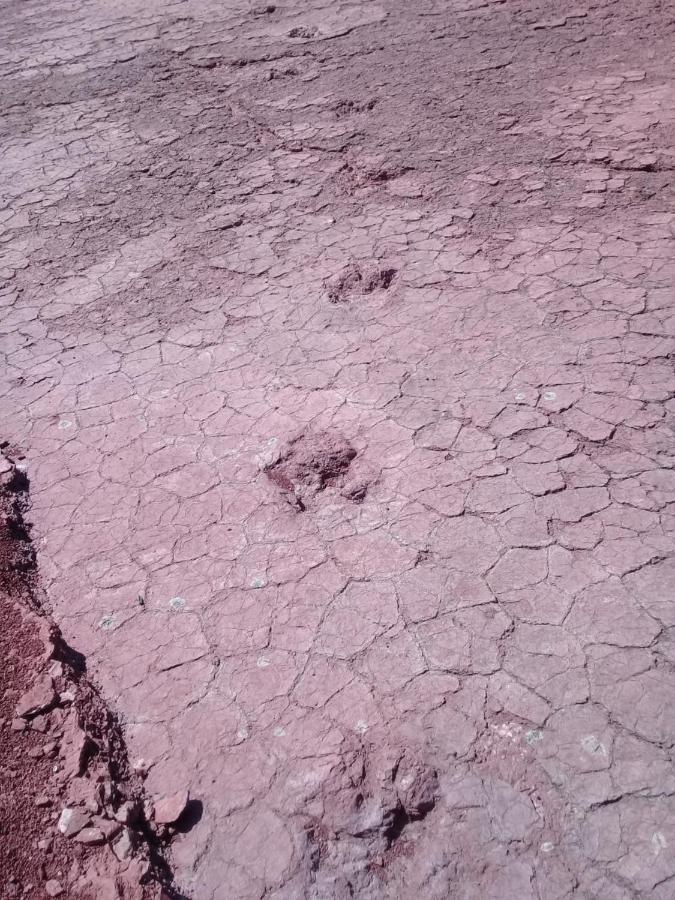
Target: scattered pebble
<point x="123" y="846"/>
<point x="91" y="836"/>
<point x="127" y="813"/>
<point x="71" y="821"/>
<point x="39" y="699"/>
<point x="170" y="809"/>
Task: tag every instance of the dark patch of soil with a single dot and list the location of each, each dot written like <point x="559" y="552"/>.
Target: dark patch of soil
<point x="309" y="463"/>
<point x="354" y="280"/>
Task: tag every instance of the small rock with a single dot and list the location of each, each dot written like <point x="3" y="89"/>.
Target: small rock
<point x="18" y="725"/>
<point x="44" y="844"/>
<point x="56" y="669"/>
<point x="141" y="767"/>
<point x="75" y="750"/>
<point x="53" y="888"/>
<point x="109" y="828"/>
<point x="127" y="812"/>
<point x="91" y="836"/>
<point x="170" y="809"/>
<point x="107" y="791"/>
<point x="35" y="752"/>
<point x="39" y="699"/>
<point x="40" y="723"/>
<point x="123" y="846"/>
<point x="66" y="697"/>
<point x="42" y="801"/>
<point x="71" y="821"/>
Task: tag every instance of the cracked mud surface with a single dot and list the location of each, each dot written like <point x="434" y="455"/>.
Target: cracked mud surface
<point x="444" y="236"/>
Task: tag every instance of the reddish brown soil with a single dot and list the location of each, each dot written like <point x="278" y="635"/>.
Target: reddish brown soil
<point x="409" y="266"/>
<point x="24" y="774"/>
<point x="36" y="782"/>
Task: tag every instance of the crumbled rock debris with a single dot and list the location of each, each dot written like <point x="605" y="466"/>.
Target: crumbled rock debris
<point x="69" y="756"/>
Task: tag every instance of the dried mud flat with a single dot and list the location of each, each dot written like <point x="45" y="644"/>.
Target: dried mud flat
<point x="337" y="363"/>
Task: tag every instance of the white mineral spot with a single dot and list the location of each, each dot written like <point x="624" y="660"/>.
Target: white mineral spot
<point x="659" y="842"/>
<point x="593" y="746"/>
<point x="508" y="730"/>
<point x="177" y="603"/>
<point x="262" y="662"/>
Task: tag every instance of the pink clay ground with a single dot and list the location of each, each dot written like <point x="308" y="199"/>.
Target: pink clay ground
<point x="443" y="232"/>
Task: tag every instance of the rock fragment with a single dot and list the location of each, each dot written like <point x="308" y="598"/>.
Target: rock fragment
<point x="127" y="812"/>
<point x="169" y="809"/>
<point x="108" y="827"/>
<point x="39" y="699"/>
<point x="123" y="846"/>
<point x="91" y="836"/>
<point x="71" y="821"/>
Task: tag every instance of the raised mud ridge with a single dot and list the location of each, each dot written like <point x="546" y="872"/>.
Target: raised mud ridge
<point x="68" y="789"/>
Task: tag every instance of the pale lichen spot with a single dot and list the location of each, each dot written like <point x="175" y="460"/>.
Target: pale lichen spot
<point x="591" y="745"/>
<point x="659" y="842"/>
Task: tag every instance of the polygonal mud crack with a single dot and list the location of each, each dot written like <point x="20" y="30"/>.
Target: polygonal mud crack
<point x="354" y="280"/>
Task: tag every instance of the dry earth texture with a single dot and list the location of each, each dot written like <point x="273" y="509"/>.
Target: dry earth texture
<point x="337" y="355"/>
